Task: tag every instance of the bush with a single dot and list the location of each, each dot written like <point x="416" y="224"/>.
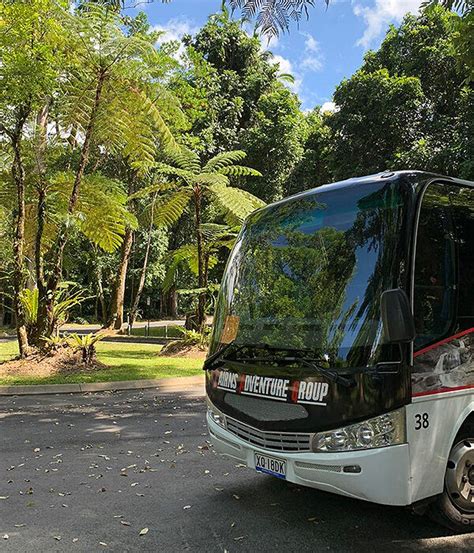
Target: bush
<point x="85" y="344"/>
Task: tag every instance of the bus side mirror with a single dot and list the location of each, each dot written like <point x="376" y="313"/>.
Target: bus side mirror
<point x="397" y="318"/>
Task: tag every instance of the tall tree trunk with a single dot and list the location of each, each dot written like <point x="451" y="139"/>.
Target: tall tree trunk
<point x="169" y="303"/>
<point x="141" y="283"/>
<point x="201" y="260"/>
<point x="45" y="318"/>
<point x="18" y="174"/>
<point x="100" y="296"/>
<point x="55" y="277"/>
<point x="118" y="293"/>
<point x="2" y="308"/>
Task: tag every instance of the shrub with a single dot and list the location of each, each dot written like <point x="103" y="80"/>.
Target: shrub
<point x="85" y="344"/>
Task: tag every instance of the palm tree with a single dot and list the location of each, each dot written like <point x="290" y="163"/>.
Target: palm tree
<point x="272" y="16"/>
<point x="194" y="182"/>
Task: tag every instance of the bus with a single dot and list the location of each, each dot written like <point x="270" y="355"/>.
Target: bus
<point x="342" y="353"/>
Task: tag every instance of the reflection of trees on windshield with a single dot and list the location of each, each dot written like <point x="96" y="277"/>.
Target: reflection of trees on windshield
<point x="375" y="230"/>
<point x="308" y="273"/>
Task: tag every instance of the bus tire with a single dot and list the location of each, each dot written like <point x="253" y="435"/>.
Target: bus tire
<point x="454" y="508"/>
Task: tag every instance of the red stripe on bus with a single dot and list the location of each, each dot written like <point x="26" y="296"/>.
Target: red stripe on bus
<point x="241" y="383"/>
<point x="294" y="391"/>
<point x="445" y="341"/>
<point x="443" y="390"/>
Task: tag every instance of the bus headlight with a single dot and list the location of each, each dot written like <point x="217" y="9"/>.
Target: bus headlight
<point x="215" y="415"/>
<point x="382" y="431"/>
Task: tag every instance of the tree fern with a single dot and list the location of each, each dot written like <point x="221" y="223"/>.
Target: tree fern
<point x="101" y="214"/>
<point x="193" y="182"/>
<point x="238" y="202"/>
<point x="224" y="159"/>
<point x="168" y="211"/>
<point x="128" y="120"/>
<point x="239" y="171"/>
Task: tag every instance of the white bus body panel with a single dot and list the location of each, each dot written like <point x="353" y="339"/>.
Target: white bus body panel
<point x="396" y="475"/>
<point x="384" y="476"/>
<point x="429" y="447"/>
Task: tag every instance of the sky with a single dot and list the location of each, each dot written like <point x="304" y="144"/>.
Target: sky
<point x="319" y="52"/>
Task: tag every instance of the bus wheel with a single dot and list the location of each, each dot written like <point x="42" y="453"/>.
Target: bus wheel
<point x="454" y="508"/>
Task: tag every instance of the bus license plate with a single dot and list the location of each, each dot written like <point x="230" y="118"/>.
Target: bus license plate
<point x="270" y="465"/>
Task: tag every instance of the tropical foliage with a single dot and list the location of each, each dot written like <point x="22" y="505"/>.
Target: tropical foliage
<point x="127" y="167"/>
<point x="198" y="183"/>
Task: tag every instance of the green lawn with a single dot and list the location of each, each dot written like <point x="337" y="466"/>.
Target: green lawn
<point x="125" y="362"/>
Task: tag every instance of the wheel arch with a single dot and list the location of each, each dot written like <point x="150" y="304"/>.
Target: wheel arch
<point x="465" y="417"/>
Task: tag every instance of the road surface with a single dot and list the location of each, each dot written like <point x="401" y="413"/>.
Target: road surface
<point x="90" y="472"/>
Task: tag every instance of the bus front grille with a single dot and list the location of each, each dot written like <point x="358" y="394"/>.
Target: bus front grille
<point x="274" y="441"/>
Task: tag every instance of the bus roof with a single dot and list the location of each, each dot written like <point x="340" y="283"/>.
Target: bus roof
<point x="415" y="176"/>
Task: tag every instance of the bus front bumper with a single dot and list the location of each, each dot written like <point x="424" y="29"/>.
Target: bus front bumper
<point x="384" y="475"/>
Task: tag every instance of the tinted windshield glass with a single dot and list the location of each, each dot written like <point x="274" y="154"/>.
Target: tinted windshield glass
<point x="308" y="273"/>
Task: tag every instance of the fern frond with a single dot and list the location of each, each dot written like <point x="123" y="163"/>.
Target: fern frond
<point x="169" y="210"/>
<point x="185" y="159"/>
<point x="273" y="16"/>
<point x="239" y="171"/>
<point x="210" y="178"/>
<point x="169" y="143"/>
<point x="30" y="301"/>
<point x="153" y="189"/>
<point x="165" y="169"/>
<point x="101" y="213"/>
<point x="224" y="159"/>
<point x="238" y="203"/>
<point x="182" y="254"/>
<point x="213" y="232"/>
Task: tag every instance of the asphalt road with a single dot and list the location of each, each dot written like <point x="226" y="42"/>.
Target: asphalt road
<point x="89" y="472"/>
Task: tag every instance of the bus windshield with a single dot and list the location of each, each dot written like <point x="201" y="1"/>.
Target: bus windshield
<point x="307" y="273"/>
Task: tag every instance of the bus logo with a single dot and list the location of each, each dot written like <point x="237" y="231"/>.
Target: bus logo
<point x="311" y="392"/>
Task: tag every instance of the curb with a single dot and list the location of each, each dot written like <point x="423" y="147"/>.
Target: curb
<point x="175" y="384"/>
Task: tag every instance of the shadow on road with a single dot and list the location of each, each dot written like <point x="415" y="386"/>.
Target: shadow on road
<point x="80" y="466"/>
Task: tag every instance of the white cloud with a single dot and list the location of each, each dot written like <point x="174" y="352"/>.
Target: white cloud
<point x="286" y="67"/>
<point x="328" y="107"/>
<point x="312" y="59"/>
<point x="175" y="29"/>
<point x="380" y="15"/>
<point x="285" y="64"/>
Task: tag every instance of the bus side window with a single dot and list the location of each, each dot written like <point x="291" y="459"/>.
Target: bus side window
<point x="434" y="268"/>
<point x="462" y="202"/>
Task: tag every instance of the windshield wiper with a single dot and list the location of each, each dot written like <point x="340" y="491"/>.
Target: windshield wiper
<point x="217" y="355"/>
<point x="328" y="373"/>
<point x="218" y="358"/>
<point x="311" y="363"/>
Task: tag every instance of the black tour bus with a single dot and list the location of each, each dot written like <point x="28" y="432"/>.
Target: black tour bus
<point x="342" y="355"/>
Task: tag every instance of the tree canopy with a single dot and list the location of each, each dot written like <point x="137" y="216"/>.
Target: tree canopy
<point x="122" y="168"/>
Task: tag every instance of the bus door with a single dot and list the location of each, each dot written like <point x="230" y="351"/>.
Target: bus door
<point x="443" y="358"/>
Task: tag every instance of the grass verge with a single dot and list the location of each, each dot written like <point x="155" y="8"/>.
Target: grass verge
<point x="124" y="362"/>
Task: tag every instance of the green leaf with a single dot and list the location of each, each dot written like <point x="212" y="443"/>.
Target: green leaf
<point x="224" y="159"/>
<point x="210" y="178"/>
<point x="183" y="254"/>
<point x="239" y="171"/>
<point x="169" y="210"/>
<point x="238" y="203"/>
<point x="185" y="159"/>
